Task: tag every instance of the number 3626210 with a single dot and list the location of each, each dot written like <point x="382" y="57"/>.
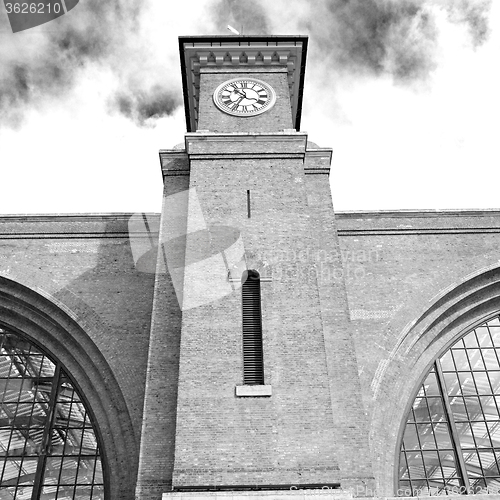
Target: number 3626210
<point x="33" y="8"/>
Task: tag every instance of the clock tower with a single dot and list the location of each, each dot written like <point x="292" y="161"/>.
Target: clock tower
<point x="252" y="374"/>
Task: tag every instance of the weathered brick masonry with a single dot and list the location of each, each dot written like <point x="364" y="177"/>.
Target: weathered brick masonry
<point x="71" y="282"/>
<point x="397" y="268"/>
<point x="415" y="280"/>
<point x="145" y="310"/>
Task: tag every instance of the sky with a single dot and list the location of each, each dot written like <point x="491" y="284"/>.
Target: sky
<point x="405" y="92"/>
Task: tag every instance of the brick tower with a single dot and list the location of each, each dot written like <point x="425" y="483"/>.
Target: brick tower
<point x="252" y="375"/>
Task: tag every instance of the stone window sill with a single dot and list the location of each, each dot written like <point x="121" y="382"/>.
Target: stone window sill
<point x="253" y="391"/>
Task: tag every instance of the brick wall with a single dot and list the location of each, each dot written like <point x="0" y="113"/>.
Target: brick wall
<point x="353" y="313"/>
<point x="82" y="269"/>
<point x="415" y="282"/>
<point x="296" y="435"/>
<point x="160" y="406"/>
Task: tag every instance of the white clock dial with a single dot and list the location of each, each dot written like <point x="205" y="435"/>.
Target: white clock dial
<point x="244" y="97"/>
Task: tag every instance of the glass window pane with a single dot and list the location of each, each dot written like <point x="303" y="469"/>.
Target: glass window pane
<point x="482" y="383"/>
<point x="442" y="435"/>
<point x="426" y="435"/>
<point x="494" y="430"/>
<point x="403" y="468"/>
<point x="448" y="465"/>
<point x="490" y="359"/>
<point x="410" y="438"/>
<point x="431" y="386"/>
<point x="494" y="377"/>
<point x="489" y="463"/>
<point x="475" y="359"/>
<point x="59" y="492"/>
<point x="481" y="435"/>
<point x="461" y="360"/>
<point x="70" y="470"/>
<point x="447" y="363"/>
<point x="87" y="469"/>
<point x="465" y="435"/>
<point x="458" y="408"/>
<point x="97" y="493"/>
<point x="22" y="493"/>
<point x="432" y="465"/>
<point x="98" y="474"/>
<point x="472" y="464"/>
<point x="419" y="410"/>
<point x="414" y="465"/>
<point x="436" y="410"/>
<point x="467" y="385"/>
<point x="52" y="470"/>
<point x="489" y="408"/>
<point x="470" y="340"/>
<point x="483" y="336"/>
<point x="473" y="407"/>
<point x="453" y="384"/>
<point x="495" y="335"/>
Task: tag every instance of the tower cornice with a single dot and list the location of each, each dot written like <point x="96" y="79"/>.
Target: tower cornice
<point x="240" y="53"/>
<point x="204" y="145"/>
<point x="244" y="145"/>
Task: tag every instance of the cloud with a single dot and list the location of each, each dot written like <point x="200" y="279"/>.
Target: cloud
<point x="44" y="64"/>
<point x="399" y="38"/>
<point x="143" y="105"/>
<point x="475" y="15"/>
<point x="375" y="37"/>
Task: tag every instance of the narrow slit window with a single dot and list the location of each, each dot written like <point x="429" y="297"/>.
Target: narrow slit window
<point x="248" y="204"/>
<point x="253" y="358"/>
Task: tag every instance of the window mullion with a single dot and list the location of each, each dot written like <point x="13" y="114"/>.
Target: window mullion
<point x="462" y="469"/>
<point x="46" y="439"/>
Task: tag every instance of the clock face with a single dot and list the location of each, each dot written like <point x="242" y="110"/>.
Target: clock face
<point x="244" y="97"/>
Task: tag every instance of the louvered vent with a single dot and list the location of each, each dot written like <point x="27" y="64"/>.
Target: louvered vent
<point x="253" y="360"/>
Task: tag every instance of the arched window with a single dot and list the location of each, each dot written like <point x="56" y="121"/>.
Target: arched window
<point x="48" y="444"/>
<point x="451" y="441"/>
<point x="253" y="358"/>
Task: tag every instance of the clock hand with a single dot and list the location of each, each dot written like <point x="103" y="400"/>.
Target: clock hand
<point x="242" y="92"/>
<point x="237" y="102"/>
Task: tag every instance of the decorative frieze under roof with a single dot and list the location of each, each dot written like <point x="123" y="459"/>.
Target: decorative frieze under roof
<point x="241" y="52"/>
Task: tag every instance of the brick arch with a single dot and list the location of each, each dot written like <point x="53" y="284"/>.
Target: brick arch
<point x="42" y="321"/>
<point x="453" y="313"/>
